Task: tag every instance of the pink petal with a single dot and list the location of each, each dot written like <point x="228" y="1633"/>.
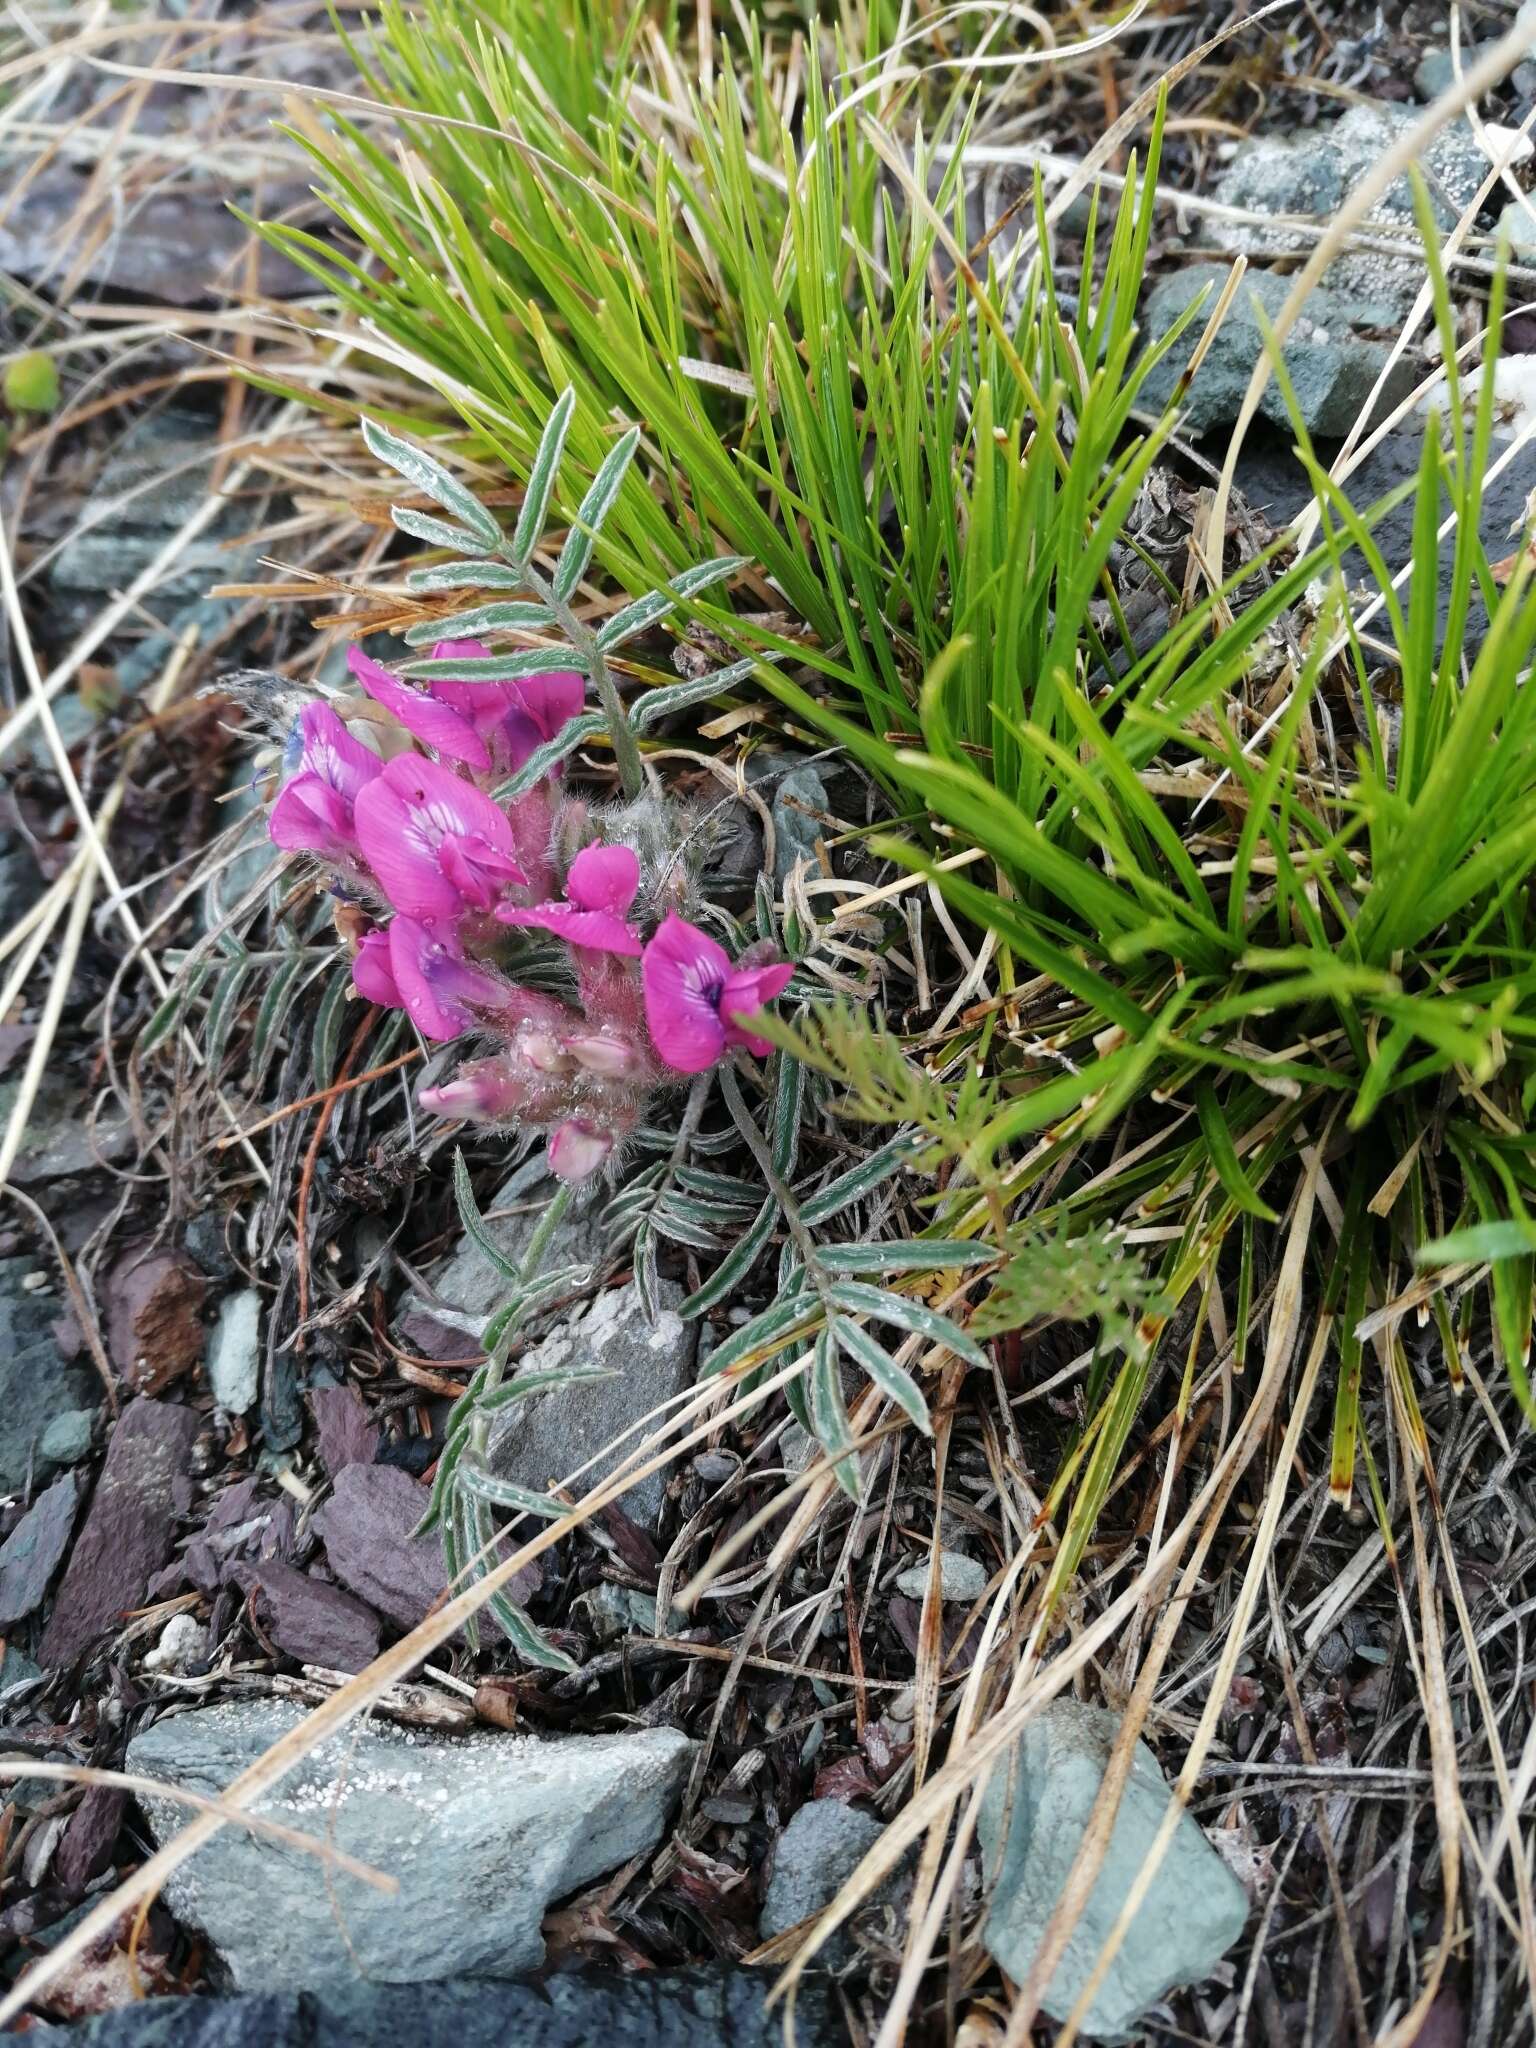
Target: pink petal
<point x="577" y="1149"/>
<point x="603" y="878"/>
<point x="747" y="991"/>
<point x="411" y="947"/>
<point x="553" y="699"/>
<point x="479" y="872"/>
<point x="447" y="802"/>
<point x="438" y="724"/>
<point x="372" y="975"/>
<point x="683" y="971"/>
<point x="311" y="817"/>
<point x="440" y="990"/>
<point x="404" y="865"/>
<point x="464" y="650"/>
<point x="337" y="756"/>
<point x="599" y="931"/>
<point x="485" y="705"/>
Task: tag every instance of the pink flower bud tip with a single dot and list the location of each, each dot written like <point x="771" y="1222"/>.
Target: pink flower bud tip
<point x="484" y="1091"/>
<point x="577" y="1149"/>
<point x="612" y="1058"/>
<point x="540" y="1050"/>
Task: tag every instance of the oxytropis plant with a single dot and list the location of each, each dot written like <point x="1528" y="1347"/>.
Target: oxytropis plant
<point x="441" y="817"/>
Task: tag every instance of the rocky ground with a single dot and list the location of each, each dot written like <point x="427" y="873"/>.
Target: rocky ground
<point x="207" y="1527"/>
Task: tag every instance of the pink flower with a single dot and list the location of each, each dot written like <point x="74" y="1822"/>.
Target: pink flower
<point x="314" y="812"/>
<point x="372" y="975"/>
<point x="441" y="992"/>
<point x="599" y="889"/>
<point x="545" y="704"/>
<point x="486" y="726"/>
<point x="434" y="842"/>
<point x="696" y="1003"/>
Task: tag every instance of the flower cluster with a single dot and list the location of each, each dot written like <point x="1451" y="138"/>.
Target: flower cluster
<point x="408" y="829"/>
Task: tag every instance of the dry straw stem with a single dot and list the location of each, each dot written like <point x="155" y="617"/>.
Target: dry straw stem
<point x="1486" y="73"/>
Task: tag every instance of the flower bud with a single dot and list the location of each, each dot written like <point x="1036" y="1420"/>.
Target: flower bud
<point x="541" y="1050"/>
<point x="577" y="1149"/>
<point x="612" y="1058"/>
<point x="483" y="1090"/>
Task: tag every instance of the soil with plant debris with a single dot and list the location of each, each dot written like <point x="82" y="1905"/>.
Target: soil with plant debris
<point x="239" y="1300"/>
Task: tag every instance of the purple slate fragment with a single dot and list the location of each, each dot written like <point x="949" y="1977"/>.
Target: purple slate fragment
<point x="366" y="1528"/>
<point x="86" y="1848"/>
<point x="240" y="1526"/>
<point x="309" y="1619"/>
<point x="34" y="1549"/>
<point x="129" y="1531"/>
<point x="347" y="1436"/>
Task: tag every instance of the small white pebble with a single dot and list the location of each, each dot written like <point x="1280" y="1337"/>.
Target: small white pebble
<point x="183" y="1643"/>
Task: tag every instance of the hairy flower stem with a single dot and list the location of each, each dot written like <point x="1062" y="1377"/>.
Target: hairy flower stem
<point x="538" y="1244"/>
<point x="626" y="750"/>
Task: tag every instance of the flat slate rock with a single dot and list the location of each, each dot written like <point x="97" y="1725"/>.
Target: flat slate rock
<point x="38" y="1384"/>
<point x="367" y="1527"/>
<point x="481" y="1831"/>
<point x="309" y="1619"/>
<point x="129" y="1531"/>
<point x="35" y="1548"/>
<point x="698" y="2008"/>
<point x="345" y="1433"/>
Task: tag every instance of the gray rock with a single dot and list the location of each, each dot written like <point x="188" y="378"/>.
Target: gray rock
<point x="206" y="1240"/>
<point x="960" y="1578"/>
<point x="156" y="479"/>
<point x="699" y="2008"/>
<point x="15" y="1669"/>
<point x="33" y="1551"/>
<point x="63" y="1136"/>
<point x="796" y="829"/>
<point x="67" y="1439"/>
<point x="1273" y="481"/>
<point x="817" y="1853"/>
<point x="1192" y="1915"/>
<point x="470" y="1285"/>
<point x="1519" y="223"/>
<point x="180" y="244"/>
<point x="793" y="788"/>
<point x="481" y="1831"/>
<point x="1435" y="72"/>
<point x="1332" y="366"/>
<point x="545" y="1439"/>
<point x="20" y="884"/>
<point x="612" y="1611"/>
<point x="1313" y="173"/>
<point x="234" y="1352"/>
<point x="37" y="1384"/>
